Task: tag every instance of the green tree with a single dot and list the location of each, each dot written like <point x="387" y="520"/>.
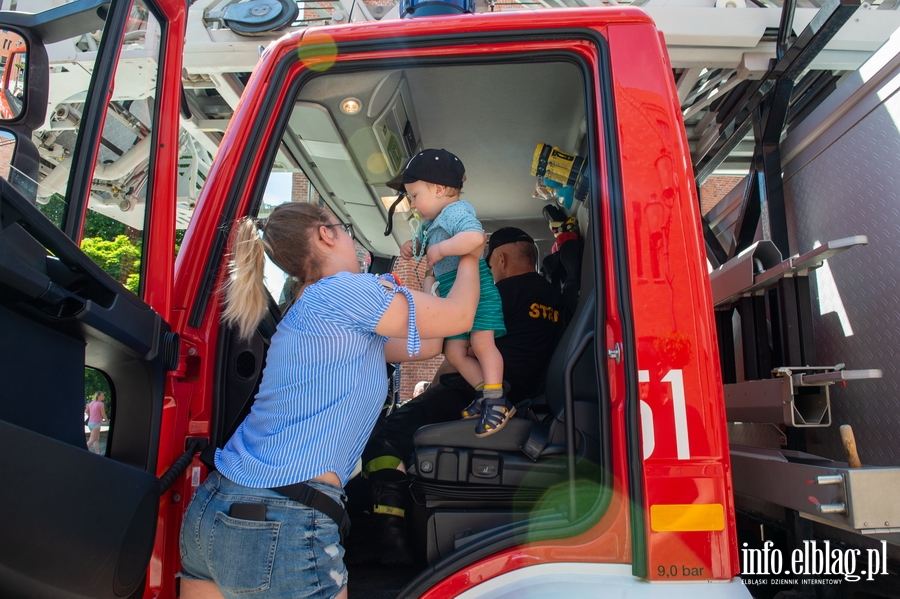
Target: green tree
<point x="100" y="225"/>
<point x="101" y="242"/>
<point x="119" y="257"/>
<point x="95" y="223"/>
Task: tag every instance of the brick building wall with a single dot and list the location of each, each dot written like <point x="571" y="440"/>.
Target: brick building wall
<point x="412" y="274"/>
<point x="714" y="189"/>
<point x="301" y="190"/>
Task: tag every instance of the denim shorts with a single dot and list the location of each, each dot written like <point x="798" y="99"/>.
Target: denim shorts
<point x="295" y="552"/>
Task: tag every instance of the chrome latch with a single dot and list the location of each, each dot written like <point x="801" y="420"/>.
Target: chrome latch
<point x="615" y="353"/>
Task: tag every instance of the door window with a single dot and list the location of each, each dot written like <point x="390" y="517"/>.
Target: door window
<point x="112" y="233"/>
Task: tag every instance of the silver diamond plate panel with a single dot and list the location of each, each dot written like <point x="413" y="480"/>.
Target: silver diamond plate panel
<point x="853" y="187"/>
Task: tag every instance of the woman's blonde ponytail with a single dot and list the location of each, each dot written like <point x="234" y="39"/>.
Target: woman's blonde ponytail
<point x="287" y="239"/>
<point x="245" y="291"/>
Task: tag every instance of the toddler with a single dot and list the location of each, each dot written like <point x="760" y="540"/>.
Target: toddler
<point x="432" y="180"/>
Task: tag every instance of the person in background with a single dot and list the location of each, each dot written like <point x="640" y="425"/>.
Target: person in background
<point x="420" y="388"/>
<point x="96" y="413"/>
<point x="268" y="519"/>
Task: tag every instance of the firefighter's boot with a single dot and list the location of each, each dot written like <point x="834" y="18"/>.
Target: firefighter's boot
<point x="382" y="539"/>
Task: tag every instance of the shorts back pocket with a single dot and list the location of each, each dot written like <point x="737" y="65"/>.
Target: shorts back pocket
<point x="242" y="553"/>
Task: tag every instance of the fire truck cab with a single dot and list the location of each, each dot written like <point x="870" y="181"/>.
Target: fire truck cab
<point x="631" y="490"/>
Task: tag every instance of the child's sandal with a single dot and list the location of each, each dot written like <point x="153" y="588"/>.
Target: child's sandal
<point x="475" y="408"/>
<point x="496" y="412"/>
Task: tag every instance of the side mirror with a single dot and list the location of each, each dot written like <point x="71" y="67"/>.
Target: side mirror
<point x="13" y="69"/>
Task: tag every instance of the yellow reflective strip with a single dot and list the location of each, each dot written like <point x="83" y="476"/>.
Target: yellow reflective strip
<point x="385" y="462"/>
<point x="390" y="511"/>
<point x="687" y="517"/>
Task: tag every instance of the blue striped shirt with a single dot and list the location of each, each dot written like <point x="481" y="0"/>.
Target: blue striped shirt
<point x="322" y="388"/>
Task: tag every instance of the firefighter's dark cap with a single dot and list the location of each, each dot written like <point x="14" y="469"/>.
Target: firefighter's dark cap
<point x="432" y="166"/>
<point x="505" y="236"/>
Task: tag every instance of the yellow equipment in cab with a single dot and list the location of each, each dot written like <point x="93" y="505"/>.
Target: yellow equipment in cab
<point x="561" y="168"/>
<point x="552" y="163"/>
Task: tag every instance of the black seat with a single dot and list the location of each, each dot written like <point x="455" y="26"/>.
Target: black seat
<point x="563" y="269"/>
<point x="493" y="477"/>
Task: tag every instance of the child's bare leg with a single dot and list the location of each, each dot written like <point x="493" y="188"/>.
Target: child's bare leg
<point x="496" y="409"/>
<point x="489" y="358"/>
<point x="456" y="352"/>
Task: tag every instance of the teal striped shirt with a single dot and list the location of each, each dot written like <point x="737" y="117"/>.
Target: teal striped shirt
<point x="456" y="217"/>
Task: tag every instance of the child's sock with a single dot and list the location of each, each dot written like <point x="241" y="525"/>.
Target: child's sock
<point x="474" y="409"/>
<point x="493" y="391"/>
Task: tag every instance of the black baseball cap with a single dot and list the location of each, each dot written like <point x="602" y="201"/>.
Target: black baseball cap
<point x="433" y="166"/>
<point x="505" y="236"/>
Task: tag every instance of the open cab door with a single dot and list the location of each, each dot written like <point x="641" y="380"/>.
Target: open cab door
<point x="73" y="169"/>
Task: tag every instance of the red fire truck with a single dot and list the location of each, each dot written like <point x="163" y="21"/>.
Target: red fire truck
<point x="633" y="491"/>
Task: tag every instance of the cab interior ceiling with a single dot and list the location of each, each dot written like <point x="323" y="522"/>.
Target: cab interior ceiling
<point x="490" y="115"/>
